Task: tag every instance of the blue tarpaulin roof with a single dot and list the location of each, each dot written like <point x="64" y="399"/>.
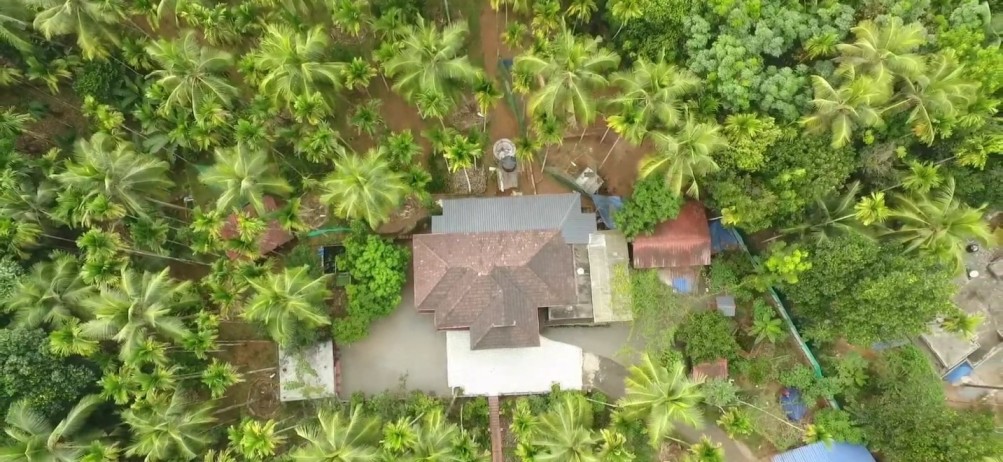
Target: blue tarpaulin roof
<point x="721" y="238"/>
<point x="682" y="285"/>
<point x="606" y="205"/>
<point x="961" y="371"/>
<point x="793" y="405"/>
<point x="819" y="452"/>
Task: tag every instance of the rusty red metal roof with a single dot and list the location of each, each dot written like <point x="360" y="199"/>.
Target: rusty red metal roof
<point x="680" y="242"/>
<point x="493" y="283"/>
<point x="273" y="237"/>
<point x="717" y="369"/>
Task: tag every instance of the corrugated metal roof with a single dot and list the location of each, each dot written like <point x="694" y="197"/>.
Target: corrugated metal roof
<point x="517" y="213"/>
<point x="819" y="452"/>
<point x="681" y="242"/>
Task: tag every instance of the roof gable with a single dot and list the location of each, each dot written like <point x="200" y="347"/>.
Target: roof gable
<point x="493" y="283"/>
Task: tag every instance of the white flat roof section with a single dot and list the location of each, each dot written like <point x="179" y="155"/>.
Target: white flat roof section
<point x="949" y="348"/>
<point x="307" y="373"/>
<point x="511" y="371"/>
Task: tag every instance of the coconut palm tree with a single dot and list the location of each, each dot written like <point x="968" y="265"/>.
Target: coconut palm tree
<point x="367" y="118"/>
<point x="70" y="340"/>
<point x="564" y="433"/>
<point x="547" y="131"/>
<point x="872" y="209"/>
<point x="401" y="148"/>
<point x="94" y="23"/>
<point x="963" y="323"/>
<point x="462" y="153"/>
<point x="142" y="305"/>
<point x="941" y="93"/>
<point x="431" y="61"/>
<point x="854" y="105"/>
<point x="613" y="447"/>
<point x="14" y="22"/>
<point x="883" y="51"/>
<point x="628" y="123"/>
<point x="835" y="215"/>
<point x="254" y="439"/>
<point x="351" y="438"/>
<point x="169" y="427"/>
<point x="661" y="397"/>
<point x="191" y="73"/>
<point x="434" y="438"/>
<point x="357" y="74"/>
<point x="705" y="451"/>
<point x="657" y="90"/>
<point x="487" y="94"/>
<point x="570" y="72"/>
<point x="939" y="224"/>
<point x="685" y="156"/>
<point x="582" y="10"/>
<point x="287" y="303"/>
<point x="106" y="167"/>
<point x="922" y="177"/>
<point x="33" y="439"/>
<point x="13" y="123"/>
<point x="244" y="175"/>
<point x="364" y="187"/>
<point x="51" y="294"/>
<point x="16" y="237"/>
<point x="350" y="16"/>
<point x="295" y="63"/>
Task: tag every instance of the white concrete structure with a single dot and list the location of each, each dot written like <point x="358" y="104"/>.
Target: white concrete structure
<point x="307" y="373"/>
<point x="511" y="371"/>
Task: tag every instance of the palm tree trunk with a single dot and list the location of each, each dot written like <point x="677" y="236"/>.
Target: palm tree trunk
<point x="582" y="136"/>
<point x="470" y="189"/>
<point x="545" y="154"/>
<point x="610" y="152"/>
<point x="167" y="204"/>
<point x="445" y="3"/>
<point x="620" y="29"/>
<point x="604" y="135"/>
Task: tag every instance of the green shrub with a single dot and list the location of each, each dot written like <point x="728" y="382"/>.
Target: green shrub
<point x="50" y="384"/>
<point x="377" y="267"/>
<point x="707" y="335"/>
<point x="100" y="79"/>
<point x="652" y="203"/>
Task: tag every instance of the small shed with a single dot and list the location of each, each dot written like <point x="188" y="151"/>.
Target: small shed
<point x="726" y="305"/>
<point x="307" y="373"/>
<point x="821" y="452"/>
<point x="608" y="272"/>
<point x="717" y="369"/>
<point x="273" y="237"/>
<point x="589" y="181"/>
<point x="681" y="242"/>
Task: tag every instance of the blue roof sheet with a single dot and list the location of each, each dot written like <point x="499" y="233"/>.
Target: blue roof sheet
<point x="793" y="405"/>
<point x="819" y="452"/>
<point x="721" y="238"/>
<point x="961" y="371"/>
<point x="606" y="206"/>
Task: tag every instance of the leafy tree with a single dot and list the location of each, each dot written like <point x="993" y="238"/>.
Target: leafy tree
<point x="839" y="424"/>
<point x="651" y="203"/>
<point x="939" y="225"/>
<point x="35" y="440"/>
<point x="93" y="22"/>
<point x="749" y="136"/>
<point x="430" y="61"/>
<point x="190" y="73"/>
<point x="338" y="437"/>
<point x="866" y="291"/>
<point x="48" y="384"/>
<point x="685" y="156"/>
<point x="571" y="71"/>
<point x="364" y="187"/>
<point x="707" y="335"/>
<point x="169" y="427"/>
<point x="289" y="304"/>
<point x="378" y="272"/>
<point x="661" y="397"/>
<point x="142" y="306"/>
<point x="295" y="63"/>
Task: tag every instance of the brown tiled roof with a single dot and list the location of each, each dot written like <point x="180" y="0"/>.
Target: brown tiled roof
<point x="682" y="241"/>
<point x="273" y="237"/>
<point x="493" y="283"/>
